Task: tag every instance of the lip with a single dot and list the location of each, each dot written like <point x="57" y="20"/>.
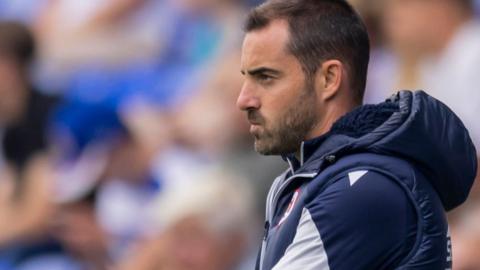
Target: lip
<point x="254" y="123"/>
<point x="254" y="128"/>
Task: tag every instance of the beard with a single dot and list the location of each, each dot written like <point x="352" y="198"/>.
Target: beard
<point x="285" y="135"/>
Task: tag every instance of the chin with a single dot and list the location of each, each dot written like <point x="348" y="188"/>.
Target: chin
<point x="275" y="149"/>
<point x="262" y="149"/>
<point x="266" y="150"/>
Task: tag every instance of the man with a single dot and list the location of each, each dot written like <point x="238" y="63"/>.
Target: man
<point x="367" y="187"/>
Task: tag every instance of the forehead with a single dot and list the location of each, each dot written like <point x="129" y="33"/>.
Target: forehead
<point x="266" y="46"/>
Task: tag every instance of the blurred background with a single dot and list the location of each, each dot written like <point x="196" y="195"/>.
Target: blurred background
<point x="122" y="148"/>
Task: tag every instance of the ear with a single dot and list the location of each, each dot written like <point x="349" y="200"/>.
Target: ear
<point x="329" y="78"/>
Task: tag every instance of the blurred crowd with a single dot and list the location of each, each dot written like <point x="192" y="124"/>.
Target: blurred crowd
<point x="122" y="148"/>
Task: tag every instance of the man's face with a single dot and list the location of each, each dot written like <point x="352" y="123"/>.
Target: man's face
<point x="279" y="103"/>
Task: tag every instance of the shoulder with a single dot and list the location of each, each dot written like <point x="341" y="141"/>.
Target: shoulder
<point x="360" y="192"/>
<point x="364" y="185"/>
<point x="366" y="214"/>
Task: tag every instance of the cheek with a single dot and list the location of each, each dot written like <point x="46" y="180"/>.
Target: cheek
<point x="278" y="100"/>
<point x="273" y="114"/>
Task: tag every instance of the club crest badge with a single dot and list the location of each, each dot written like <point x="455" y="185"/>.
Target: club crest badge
<point x="292" y="203"/>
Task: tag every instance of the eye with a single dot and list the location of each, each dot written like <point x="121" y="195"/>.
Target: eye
<point x="263" y="78"/>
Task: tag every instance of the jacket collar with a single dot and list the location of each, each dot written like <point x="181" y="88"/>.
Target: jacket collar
<point x="349" y="133"/>
<point x="308" y="149"/>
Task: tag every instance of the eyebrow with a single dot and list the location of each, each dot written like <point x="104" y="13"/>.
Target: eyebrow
<point x="261" y="70"/>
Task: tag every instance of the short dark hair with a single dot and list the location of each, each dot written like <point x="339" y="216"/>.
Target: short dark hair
<point x="320" y="30"/>
<point x="17" y="41"/>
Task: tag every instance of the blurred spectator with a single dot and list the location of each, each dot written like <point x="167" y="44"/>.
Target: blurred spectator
<point x="161" y="47"/>
<point x="76" y="36"/>
<point x="76" y="241"/>
<point x="73" y="32"/>
<point x="205" y="225"/>
<point x="26" y="173"/>
<point x="77" y="229"/>
<point x="96" y="151"/>
<point x="435" y="46"/>
<point x="23" y="110"/>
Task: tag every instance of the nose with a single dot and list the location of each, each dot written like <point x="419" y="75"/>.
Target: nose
<point x="247" y="100"/>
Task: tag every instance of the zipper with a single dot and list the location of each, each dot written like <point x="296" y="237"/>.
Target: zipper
<point x="302" y="146"/>
<point x="264" y="243"/>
